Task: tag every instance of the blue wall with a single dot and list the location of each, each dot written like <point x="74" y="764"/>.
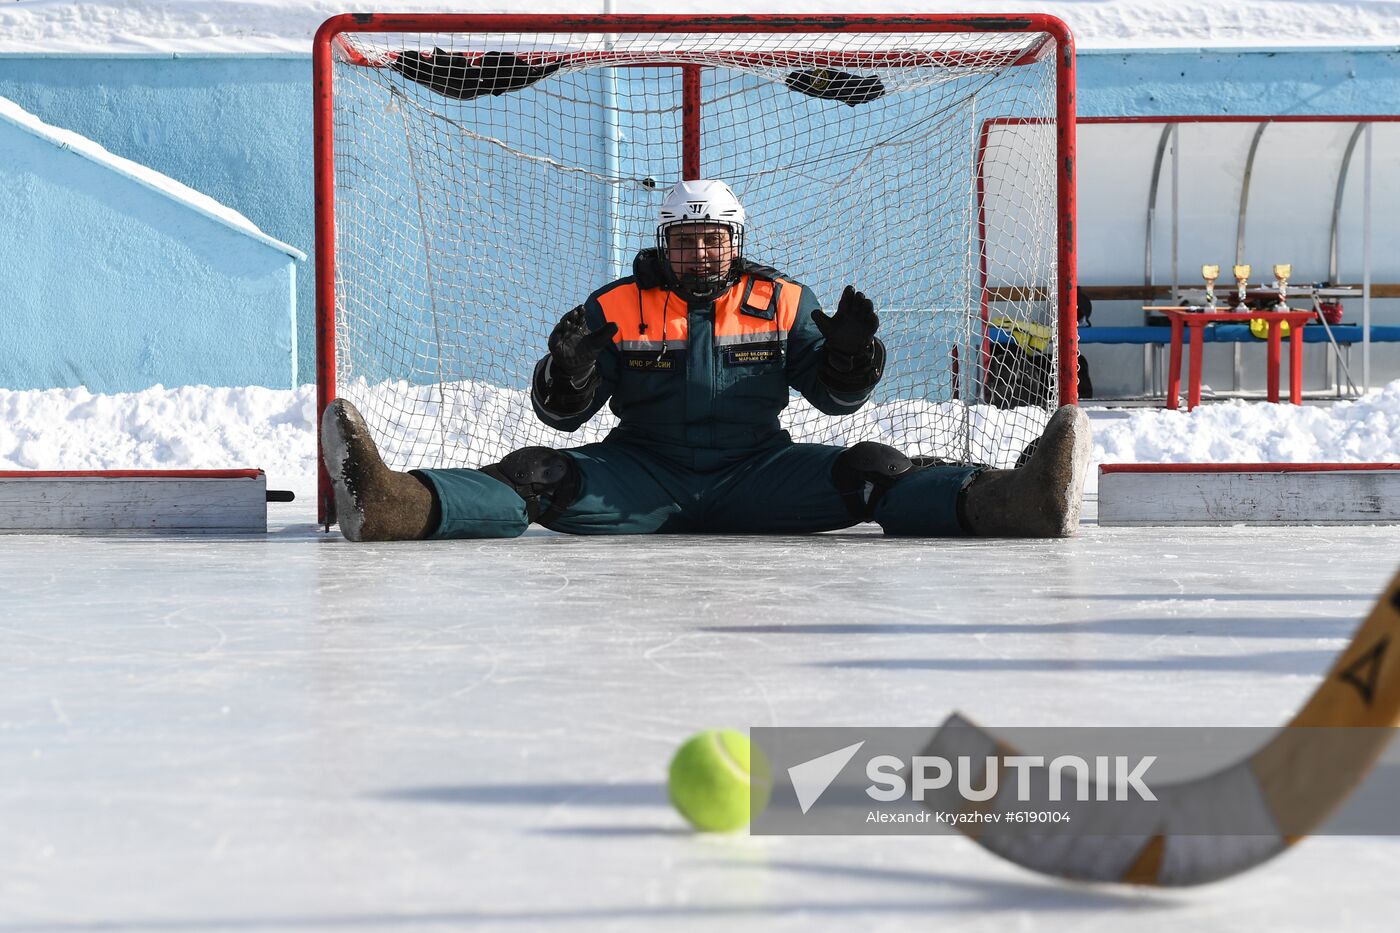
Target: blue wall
<point x="111" y="284"/>
<point x="236" y="129"/>
<point x="1209" y="81"/>
<point x="239" y="128"/>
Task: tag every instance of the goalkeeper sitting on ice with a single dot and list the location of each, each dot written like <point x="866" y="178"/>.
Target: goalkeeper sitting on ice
<point x="695" y="353"/>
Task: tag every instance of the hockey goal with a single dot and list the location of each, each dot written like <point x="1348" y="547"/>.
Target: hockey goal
<point x="479" y="175"/>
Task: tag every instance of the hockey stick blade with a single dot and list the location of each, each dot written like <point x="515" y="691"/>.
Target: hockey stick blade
<point x="1297" y="779"/>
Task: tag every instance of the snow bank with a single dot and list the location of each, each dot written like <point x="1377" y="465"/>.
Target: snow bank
<point x="190" y="427"/>
<point x="198" y="427"/>
<point x="267" y="26"/>
<point x="1366" y="430"/>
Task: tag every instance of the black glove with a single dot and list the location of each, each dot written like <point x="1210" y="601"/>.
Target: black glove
<point x="454" y="75"/>
<point x="574" y="348"/>
<point x="854" y="359"/>
<point x="827" y="84"/>
<point x="573" y="354"/>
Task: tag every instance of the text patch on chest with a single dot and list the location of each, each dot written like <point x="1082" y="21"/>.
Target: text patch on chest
<point x="640" y="361"/>
<point x="753" y="354"/>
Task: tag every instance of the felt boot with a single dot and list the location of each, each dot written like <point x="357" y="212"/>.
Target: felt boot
<point x="1043" y="496"/>
<point x="372" y="502"/>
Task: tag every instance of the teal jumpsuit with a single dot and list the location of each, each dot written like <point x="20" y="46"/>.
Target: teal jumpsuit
<point x="697" y="388"/>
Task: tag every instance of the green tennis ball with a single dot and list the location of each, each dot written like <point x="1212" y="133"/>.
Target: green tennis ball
<point x="711" y="778"/>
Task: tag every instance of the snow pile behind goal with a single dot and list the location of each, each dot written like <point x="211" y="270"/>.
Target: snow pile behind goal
<point x="177" y="428"/>
<point x="198" y="427"/>
<point x="451" y="416"/>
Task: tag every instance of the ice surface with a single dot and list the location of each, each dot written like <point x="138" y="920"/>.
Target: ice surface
<point x="268" y="26"/>
<point x="291" y="732"/>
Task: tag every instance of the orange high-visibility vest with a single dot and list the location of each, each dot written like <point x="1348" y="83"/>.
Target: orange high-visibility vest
<point x="753" y="310"/>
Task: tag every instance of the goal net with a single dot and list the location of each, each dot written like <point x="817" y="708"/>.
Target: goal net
<point x="478" y="176"/>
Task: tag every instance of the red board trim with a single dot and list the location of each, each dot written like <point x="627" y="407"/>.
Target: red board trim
<point x="1245" y="467"/>
<point x="1246" y="118"/>
<point x="130" y="474"/>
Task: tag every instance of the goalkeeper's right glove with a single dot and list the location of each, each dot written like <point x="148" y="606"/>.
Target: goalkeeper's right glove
<point x="572" y="373"/>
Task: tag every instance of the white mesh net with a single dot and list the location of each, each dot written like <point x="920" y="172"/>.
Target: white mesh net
<point x="919" y="166"/>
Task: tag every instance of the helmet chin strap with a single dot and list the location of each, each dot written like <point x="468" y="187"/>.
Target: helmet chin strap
<point x="693" y="287"/>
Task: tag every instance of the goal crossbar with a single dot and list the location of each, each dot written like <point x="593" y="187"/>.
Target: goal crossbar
<point x="772" y="57"/>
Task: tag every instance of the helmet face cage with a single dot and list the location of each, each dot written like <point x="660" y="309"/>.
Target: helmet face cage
<point x="695" y="285"/>
<point x="703" y="202"/>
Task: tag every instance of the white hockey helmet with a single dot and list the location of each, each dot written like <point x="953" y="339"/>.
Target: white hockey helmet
<point x="701" y="201"/>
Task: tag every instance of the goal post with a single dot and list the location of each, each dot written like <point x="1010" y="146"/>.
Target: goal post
<point x="479" y="175"/>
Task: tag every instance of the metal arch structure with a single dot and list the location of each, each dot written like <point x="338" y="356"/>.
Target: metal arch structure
<point x="1167" y="142"/>
<point x="1149" y="278"/>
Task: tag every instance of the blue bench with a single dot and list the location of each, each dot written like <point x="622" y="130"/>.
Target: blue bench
<point x="1159" y="338"/>
<point x="1235" y="333"/>
<point x="1138" y="335"/>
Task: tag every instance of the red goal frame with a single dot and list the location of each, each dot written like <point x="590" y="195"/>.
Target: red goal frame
<point x="324" y="153"/>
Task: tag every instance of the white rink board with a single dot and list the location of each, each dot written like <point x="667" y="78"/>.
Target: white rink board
<point x="220" y="502"/>
<point x="1251" y="494"/>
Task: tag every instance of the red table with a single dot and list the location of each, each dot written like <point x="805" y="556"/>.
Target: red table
<point x="1196" y="320"/>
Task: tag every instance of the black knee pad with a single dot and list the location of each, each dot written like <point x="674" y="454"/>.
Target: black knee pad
<point x="535" y="472"/>
<point x="864" y="472"/>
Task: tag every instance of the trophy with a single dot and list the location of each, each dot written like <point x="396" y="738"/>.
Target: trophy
<point x="1242" y="280"/>
<point x="1282" y="272"/>
<point x="1210" y="274"/>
